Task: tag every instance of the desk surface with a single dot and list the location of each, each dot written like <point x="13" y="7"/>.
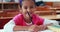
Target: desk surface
<point x="38" y="31"/>
<point x="54" y="8"/>
<point x="51" y="16"/>
<point x="6" y="17"/>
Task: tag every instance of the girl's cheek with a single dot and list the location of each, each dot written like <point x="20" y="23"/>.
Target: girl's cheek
<point x="24" y="11"/>
<point x="33" y="10"/>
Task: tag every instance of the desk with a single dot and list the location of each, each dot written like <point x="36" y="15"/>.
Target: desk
<point x="53" y="28"/>
<point x="6" y="17"/>
<point x="38" y="31"/>
<point x="4" y="20"/>
<point x="54" y="17"/>
<point x="55" y="9"/>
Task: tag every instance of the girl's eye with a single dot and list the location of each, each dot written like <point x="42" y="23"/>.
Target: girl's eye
<point x="31" y="7"/>
<point x="25" y="7"/>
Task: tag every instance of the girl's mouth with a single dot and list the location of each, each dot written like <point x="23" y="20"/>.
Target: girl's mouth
<point x="29" y="13"/>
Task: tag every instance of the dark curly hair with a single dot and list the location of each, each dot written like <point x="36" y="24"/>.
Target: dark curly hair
<point x="23" y="0"/>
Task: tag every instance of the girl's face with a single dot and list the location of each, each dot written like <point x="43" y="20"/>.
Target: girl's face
<point x="28" y="6"/>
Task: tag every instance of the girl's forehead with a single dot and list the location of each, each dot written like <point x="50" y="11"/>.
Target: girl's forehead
<point x="27" y="2"/>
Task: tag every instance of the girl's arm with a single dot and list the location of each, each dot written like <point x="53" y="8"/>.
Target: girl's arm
<point x="21" y="28"/>
<point x="10" y="27"/>
<point x="48" y="22"/>
<point x="45" y="24"/>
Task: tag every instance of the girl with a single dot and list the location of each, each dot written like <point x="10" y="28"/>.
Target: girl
<point x="28" y="20"/>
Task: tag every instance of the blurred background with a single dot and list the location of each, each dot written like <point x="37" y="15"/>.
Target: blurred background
<point x="49" y="9"/>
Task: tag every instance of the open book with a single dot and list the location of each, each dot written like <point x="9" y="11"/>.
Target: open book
<point x="54" y="28"/>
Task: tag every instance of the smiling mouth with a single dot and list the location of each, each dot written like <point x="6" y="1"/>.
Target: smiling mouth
<point x="29" y="13"/>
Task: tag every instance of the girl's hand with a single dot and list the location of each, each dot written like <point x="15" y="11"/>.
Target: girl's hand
<point x="39" y="28"/>
<point x="42" y="27"/>
<point x="36" y="28"/>
<point x="33" y="28"/>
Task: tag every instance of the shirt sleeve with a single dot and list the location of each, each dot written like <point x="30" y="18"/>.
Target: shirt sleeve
<point x="9" y="26"/>
<point x="47" y="21"/>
